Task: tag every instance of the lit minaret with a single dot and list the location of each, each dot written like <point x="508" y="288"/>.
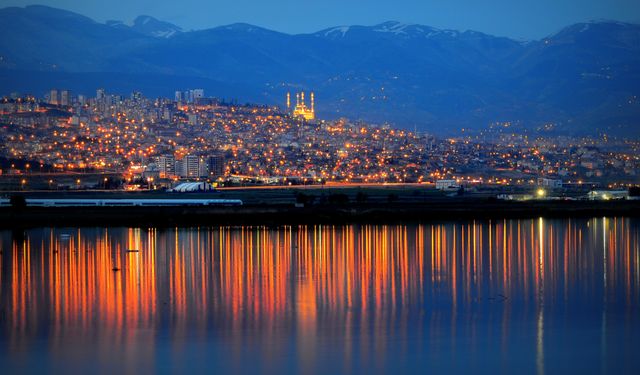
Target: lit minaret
<point x="288" y="101"/>
<point x="313" y="107"/>
<point x="302" y="99"/>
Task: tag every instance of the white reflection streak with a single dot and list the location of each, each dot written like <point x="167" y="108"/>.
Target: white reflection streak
<point x="603" y="340"/>
<point x="540" y="326"/>
<point x="540" y="342"/>
<point x="604" y="252"/>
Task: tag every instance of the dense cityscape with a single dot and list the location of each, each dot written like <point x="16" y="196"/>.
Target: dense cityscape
<point x="157" y="142"/>
<point x="335" y="187"/>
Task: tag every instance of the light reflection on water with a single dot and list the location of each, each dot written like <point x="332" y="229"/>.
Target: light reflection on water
<point x="536" y="296"/>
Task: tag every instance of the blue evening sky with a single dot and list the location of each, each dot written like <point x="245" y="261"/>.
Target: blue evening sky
<point x="523" y="19"/>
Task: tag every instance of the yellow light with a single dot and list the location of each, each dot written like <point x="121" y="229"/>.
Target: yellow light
<point x="541" y="193"/>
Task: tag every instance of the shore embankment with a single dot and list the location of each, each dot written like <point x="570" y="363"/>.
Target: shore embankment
<point x="326" y="213"/>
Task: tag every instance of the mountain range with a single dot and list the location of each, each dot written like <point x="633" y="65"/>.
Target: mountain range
<point x="584" y="79"/>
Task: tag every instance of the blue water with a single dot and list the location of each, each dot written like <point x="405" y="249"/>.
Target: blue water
<point x="527" y="296"/>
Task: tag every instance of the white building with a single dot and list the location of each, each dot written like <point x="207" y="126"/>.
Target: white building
<point x="188" y="167"/>
<point x="606" y="195"/>
<point x="550" y="183"/>
<point x="166" y="165"/>
<point x="53" y="97"/>
<point x="189" y="187"/>
<point x="447" y="185"/>
<point x="65" y="97"/>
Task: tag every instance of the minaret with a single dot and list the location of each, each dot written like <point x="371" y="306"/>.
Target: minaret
<point x="288" y="101"/>
<point x="313" y="105"/>
<point x="297" y="99"/>
<point x="302" y="99"/>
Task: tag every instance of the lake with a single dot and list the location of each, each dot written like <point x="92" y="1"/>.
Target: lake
<point x="533" y="296"/>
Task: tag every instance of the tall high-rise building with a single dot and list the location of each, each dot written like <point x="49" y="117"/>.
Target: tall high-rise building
<point x="189" y="96"/>
<point x="65" y="97"/>
<point x="197" y="94"/>
<point x="166" y="165"/>
<point x="203" y="168"/>
<point x="189" y="166"/>
<point x="53" y="97"/>
<point x="215" y="166"/>
<point x="100" y="94"/>
<point x="193" y="119"/>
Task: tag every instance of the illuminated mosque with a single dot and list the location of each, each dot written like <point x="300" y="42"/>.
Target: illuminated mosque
<point x="301" y="109"/>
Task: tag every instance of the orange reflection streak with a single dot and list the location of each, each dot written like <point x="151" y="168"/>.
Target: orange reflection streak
<point x="259" y="277"/>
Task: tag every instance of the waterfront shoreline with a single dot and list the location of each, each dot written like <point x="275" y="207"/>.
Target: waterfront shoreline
<point x="288" y="214"/>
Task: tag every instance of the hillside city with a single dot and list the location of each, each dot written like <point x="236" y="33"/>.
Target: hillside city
<point x="160" y="142"/>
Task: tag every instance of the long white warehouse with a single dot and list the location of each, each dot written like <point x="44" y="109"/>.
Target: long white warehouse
<point x="88" y="202"/>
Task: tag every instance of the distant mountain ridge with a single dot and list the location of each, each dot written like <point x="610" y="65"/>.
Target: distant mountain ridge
<point x="582" y="79"/>
<point x="149" y="26"/>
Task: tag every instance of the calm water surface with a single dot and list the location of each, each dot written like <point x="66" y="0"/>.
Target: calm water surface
<point x="528" y="296"/>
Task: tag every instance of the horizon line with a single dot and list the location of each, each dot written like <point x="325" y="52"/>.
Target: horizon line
<point x="129" y="23"/>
